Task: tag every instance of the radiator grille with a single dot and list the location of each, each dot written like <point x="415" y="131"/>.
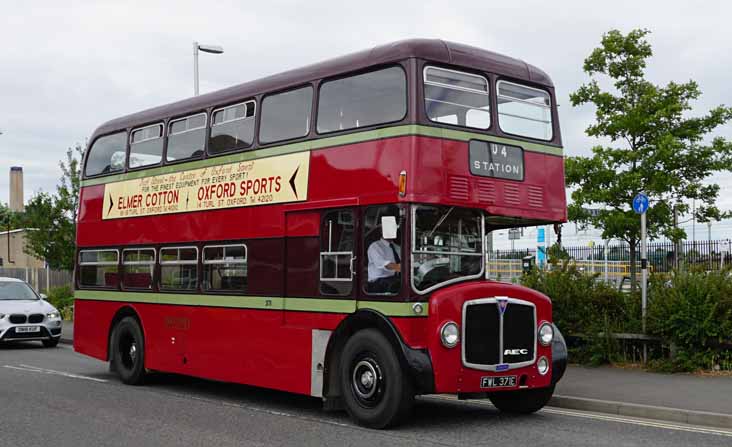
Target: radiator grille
<point x="499" y="334"/>
<point x="18" y="319"/>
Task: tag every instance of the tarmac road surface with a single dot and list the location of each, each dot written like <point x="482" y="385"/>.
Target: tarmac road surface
<point x="60" y="398"/>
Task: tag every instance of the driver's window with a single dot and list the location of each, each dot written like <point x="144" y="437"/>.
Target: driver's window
<point x="336" y="253"/>
<point x="383" y="250"/>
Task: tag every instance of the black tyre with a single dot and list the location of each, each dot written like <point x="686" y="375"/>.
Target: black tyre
<point x="51" y="342"/>
<point x="522" y="401"/>
<point x="376" y="392"/>
<point x="128" y="355"/>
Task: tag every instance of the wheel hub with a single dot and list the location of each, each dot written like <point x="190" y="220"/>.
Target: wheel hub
<point x="133" y="352"/>
<point x="366" y="379"/>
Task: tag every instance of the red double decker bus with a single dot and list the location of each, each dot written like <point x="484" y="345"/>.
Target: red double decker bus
<point x="323" y="231"/>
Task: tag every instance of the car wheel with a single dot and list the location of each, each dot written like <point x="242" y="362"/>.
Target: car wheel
<point x="376" y="391"/>
<point x="128" y="357"/>
<point x="522" y="401"/>
<point x="51" y="342"/>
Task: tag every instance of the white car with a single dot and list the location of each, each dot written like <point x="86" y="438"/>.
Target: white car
<point x="26" y="316"/>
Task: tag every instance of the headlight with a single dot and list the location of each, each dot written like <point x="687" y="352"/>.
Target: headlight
<point x="53" y="315"/>
<point x="542" y="366"/>
<point x="546" y="334"/>
<point x="450" y="334"/>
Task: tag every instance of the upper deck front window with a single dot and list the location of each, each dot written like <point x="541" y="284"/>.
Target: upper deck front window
<point x="455" y="97"/>
<point x="524" y="111"/>
<point x="107" y="154"/>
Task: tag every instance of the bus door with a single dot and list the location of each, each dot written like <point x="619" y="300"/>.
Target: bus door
<point x="320" y="286"/>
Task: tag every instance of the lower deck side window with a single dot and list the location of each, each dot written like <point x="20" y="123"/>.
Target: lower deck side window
<point x="98" y="268"/>
<point x="225" y="268"/>
<point x="139" y="266"/>
<point x="179" y="268"/>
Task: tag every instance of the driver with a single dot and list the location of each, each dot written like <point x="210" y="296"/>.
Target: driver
<point x="384" y="266"/>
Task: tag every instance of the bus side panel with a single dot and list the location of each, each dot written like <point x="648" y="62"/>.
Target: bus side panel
<point x="92" y="321"/>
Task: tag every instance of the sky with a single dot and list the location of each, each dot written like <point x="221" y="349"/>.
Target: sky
<point x="66" y="67"/>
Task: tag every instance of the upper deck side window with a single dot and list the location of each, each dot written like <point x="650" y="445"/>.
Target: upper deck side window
<point x="232" y="128"/>
<point x="146" y="146"/>
<point x="286" y="115"/>
<point x="362" y="100"/>
<point x="186" y="137"/>
<point x="456" y="97"/>
<point x="107" y="155"/>
<point x="524" y="111"/>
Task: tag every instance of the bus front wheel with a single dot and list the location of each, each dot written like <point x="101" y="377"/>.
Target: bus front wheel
<point x="128" y="357"/>
<point x="522" y="401"/>
<point x="376" y="391"/>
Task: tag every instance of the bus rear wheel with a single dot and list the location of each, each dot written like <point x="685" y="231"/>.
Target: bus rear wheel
<point x="522" y="401"/>
<point x="376" y="391"/>
<point x="128" y="356"/>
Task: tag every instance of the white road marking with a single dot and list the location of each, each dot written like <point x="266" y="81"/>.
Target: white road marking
<point x="36" y="369"/>
<point x="643" y="422"/>
<point x="611" y="418"/>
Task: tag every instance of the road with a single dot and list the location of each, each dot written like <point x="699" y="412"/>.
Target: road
<point x="60" y="398"/>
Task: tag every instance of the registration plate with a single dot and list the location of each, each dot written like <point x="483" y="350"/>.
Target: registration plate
<point x="27" y="329"/>
<point x="498" y="382"/>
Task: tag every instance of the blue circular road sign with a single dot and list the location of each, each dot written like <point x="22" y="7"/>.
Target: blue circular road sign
<point x="640" y="203"/>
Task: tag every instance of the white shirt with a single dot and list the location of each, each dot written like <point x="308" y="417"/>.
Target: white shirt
<point x="380" y="255"/>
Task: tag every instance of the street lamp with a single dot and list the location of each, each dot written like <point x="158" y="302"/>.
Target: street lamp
<point x="213" y="49"/>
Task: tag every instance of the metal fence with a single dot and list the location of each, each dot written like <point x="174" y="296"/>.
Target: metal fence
<point x="40" y="279"/>
<point x="612" y="261"/>
<point x="664" y="256"/>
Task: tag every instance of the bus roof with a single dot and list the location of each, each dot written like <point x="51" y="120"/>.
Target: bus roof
<point x="434" y="50"/>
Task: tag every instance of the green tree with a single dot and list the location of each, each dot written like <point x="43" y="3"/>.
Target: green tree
<point x="655" y="147"/>
<point x="9" y="219"/>
<point x="53" y="217"/>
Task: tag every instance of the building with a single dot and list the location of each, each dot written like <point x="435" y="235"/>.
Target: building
<point x="13" y="242"/>
<point x="12" y="250"/>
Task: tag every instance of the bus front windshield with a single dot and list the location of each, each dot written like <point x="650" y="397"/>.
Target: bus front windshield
<point x="447" y="245"/>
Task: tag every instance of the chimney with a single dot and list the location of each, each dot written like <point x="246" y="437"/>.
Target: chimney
<point x="16" y="188"/>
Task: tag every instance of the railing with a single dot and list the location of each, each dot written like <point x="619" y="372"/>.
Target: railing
<point x="612" y="262"/>
<point x="39" y="279"/>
